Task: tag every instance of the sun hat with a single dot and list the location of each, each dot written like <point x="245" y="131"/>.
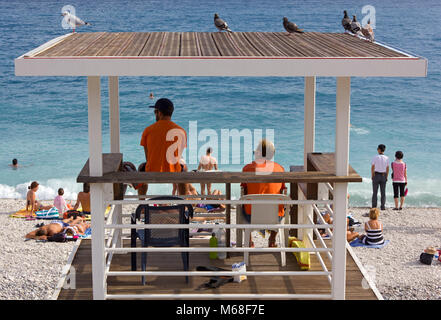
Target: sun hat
<point x="431" y="250"/>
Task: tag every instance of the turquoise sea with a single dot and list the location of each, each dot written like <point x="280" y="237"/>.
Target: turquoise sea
<point x="43" y="120"/>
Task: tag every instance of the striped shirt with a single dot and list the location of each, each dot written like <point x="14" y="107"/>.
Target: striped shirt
<point x="373" y="236"/>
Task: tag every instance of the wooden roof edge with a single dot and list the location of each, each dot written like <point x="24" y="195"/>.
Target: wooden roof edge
<point x="45" y="46"/>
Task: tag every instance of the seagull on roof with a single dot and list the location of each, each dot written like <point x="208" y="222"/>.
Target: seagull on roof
<point x="220" y="24"/>
<point x="291" y="27"/>
<point x="368" y="32"/>
<point x="355" y="26"/>
<point x="346" y="21"/>
<point x="73" y="20"/>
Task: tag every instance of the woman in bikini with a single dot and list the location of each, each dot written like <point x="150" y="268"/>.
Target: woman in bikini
<point x="31" y="199"/>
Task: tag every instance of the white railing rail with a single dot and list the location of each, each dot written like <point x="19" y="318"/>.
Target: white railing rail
<point x="225" y="202"/>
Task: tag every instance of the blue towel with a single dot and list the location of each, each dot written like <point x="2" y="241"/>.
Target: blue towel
<point x="86" y="234"/>
<point x="357" y="243"/>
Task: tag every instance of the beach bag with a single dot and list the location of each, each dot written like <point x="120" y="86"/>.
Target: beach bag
<point x="426" y="258"/>
<point x="303" y="258"/>
<point x="52" y="213"/>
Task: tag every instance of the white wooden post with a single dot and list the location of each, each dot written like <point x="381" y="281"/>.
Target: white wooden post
<point x="115" y="138"/>
<point x="308" y="146"/>
<point x="114" y="114"/>
<point x="341" y="189"/>
<point x="96" y="190"/>
<point x="309" y="118"/>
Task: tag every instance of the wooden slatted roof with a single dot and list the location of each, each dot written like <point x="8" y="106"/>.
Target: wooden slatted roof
<point x="199" y="44"/>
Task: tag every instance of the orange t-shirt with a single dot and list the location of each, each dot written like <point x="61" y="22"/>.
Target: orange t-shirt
<point x="165" y="141"/>
<point x="264" y="188"/>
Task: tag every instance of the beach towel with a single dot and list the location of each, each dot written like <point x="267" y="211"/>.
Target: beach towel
<point x="21" y="214"/>
<point x="357" y="243"/>
<point x="87" y="234"/>
<point x="87" y="217"/>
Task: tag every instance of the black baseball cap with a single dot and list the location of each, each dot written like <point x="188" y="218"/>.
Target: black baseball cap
<point x="164" y="105"/>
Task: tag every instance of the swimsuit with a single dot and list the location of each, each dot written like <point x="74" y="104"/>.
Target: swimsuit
<point x="74" y="230"/>
<point x="61" y="223"/>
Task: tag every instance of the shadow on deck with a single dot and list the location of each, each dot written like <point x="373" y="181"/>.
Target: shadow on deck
<point x="177" y="285"/>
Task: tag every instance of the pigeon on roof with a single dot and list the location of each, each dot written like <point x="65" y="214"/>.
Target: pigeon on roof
<point x="73" y="20"/>
<point x="346" y="21"/>
<point x="291" y="26"/>
<point x="220" y="24"/>
<point x="355" y="26"/>
<point x="368" y="32"/>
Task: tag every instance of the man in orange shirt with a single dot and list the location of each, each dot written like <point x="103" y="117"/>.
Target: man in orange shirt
<point x="262" y="163"/>
<point x="163" y="142"/>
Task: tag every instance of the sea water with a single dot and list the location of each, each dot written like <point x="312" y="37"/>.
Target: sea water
<point x="43" y="120"/>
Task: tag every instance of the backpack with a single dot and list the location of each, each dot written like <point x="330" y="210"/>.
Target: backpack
<point x="426" y="258"/>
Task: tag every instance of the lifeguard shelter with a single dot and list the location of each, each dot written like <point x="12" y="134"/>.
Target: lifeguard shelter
<point x="322" y="179"/>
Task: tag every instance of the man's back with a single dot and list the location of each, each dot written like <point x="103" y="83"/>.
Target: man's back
<point x="208" y="162"/>
<point x="263" y="188"/>
<point x="381" y="162"/>
<point x="84" y="198"/>
<point x="165" y="141"/>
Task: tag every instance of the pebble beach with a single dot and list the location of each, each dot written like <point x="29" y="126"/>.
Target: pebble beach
<point x="30" y="270"/>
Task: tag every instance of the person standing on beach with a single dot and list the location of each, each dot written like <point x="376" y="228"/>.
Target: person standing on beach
<point x="379" y="172"/>
<point x="399" y="178"/>
<point x="163" y="142"/>
<point x="207" y="162"/>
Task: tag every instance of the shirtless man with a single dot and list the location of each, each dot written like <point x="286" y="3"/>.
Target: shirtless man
<point x="53" y="228"/>
<point x="84" y="199"/>
<point x="207" y="162"/>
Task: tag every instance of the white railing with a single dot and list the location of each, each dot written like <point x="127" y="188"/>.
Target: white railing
<point x="114" y="235"/>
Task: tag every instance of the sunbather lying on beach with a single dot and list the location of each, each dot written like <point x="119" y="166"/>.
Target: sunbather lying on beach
<point x="53" y="228"/>
<point x="77" y="228"/>
<point x="32" y="204"/>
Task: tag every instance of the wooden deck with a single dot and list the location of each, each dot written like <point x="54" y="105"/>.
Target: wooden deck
<point x="174" y="285"/>
<point x="215" y="44"/>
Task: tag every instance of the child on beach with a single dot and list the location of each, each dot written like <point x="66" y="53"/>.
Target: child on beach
<point x="399" y="179"/>
<point x="60" y="203"/>
<point x="373" y="228"/>
<point x="350" y="233"/>
<point x="31" y="200"/>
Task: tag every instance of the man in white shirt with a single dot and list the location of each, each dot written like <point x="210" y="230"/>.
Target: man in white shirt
<point x="380" y="172"/>
<point x="208" y="162"/>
